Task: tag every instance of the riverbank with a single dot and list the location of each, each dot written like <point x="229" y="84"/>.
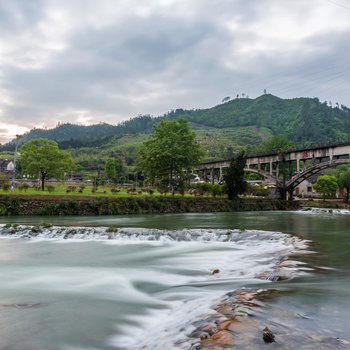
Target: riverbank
<point x="53" y="205"/>
<point x="330" y="203"/>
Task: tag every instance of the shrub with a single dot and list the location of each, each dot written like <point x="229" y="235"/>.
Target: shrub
<point x="50" y="188"/>
<point x="259" y="190"/>
<point x="23" y="187"/>
<point x="45" y="224"/>
<point x="203" y="188"/>
<point x="36" y="229"/>
<point x="216" y="190"/>
<point x="6" y="186"/>
<point x="112" y="229"/>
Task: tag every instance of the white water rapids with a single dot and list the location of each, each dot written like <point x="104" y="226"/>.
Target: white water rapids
<point x="152" y="284"/>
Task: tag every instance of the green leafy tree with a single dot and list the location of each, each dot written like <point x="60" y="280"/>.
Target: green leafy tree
<point x="277" y="144"/>
<point x="234" y="178"/>
<point x="326" y="185"/>
<point x="342" y="173"/>
<point x="43" y="157"/>
<point x="110" y="168"/>
<point x="170" y="151"/>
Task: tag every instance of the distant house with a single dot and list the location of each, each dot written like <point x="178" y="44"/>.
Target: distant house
<point x="305" y="189"/>
<point x="10" y="166"/>
<point x="6" y="166"/>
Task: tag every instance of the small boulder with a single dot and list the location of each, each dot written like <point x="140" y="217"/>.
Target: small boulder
<point x="268" y="336"/>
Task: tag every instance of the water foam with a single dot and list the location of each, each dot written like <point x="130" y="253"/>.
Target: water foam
<point x="324" y="211"/>
<point x="185" y="263"/>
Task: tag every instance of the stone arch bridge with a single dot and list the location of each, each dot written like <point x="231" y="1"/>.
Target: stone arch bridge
<point x="285" y="171"/>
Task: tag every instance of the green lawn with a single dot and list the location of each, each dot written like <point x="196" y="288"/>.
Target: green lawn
<point x="102" y="191"/>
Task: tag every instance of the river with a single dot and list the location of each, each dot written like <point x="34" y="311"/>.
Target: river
<point x="152" y="285"/>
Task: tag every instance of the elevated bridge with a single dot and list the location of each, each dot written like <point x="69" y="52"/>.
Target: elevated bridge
<point x="286" y="170"/>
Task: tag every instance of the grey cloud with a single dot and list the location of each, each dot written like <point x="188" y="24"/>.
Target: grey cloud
<point x="177" y="61"/>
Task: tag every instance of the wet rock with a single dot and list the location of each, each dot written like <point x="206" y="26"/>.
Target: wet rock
<point x="242" y="311"/>
<point x="224" y="309"/>
<point x="203" y="336"/>
<point x="242" y="324"/>
<point x="219" y="338"/>
<point x="268" y="336"/>
<point x="224" y="325"/>
<point x="210" y="328"/>
<point x="196" y="346"/>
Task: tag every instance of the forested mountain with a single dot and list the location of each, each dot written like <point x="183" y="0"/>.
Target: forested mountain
<point x="72" y="135"/>
<point x="302" y="120"/>
<point x="221" y="130"/>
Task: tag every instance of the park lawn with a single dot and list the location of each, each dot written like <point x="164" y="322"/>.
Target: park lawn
<point x="103" y="191"/>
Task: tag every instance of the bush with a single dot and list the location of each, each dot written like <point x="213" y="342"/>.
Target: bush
<point x="203" y="188"/>
<point x="23" y="187"/>
<point x="6" y="186"/>
<point x="216" y="190"/>
<point x="36" y="229"/>
<point x="115" y="190"/>
<point x="45" y="224"/>
<point x="112" y="229"/>
<point x="71" y="189"/>
<point x="50" y="188"/>
<point x="259" y="190"/>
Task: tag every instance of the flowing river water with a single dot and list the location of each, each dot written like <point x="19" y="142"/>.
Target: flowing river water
<point x="171" y="281"/>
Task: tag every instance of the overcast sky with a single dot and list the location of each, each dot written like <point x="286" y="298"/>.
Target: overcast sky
<point x="109" y="60"/>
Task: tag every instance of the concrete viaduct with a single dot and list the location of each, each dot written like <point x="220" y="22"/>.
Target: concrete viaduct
<point x="287" y="170"/>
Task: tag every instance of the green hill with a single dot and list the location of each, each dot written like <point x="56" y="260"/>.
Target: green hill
<point x="221" y="130"/>
<point x="302" y="120"/>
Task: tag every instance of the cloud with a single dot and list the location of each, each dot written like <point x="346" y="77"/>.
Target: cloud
<point x="86" y="62"/>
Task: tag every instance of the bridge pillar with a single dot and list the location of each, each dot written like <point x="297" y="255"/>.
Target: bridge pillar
<point x="220" y="171"/>
<point x="298" y="165"/>
<point x="212" y="175"/>
<point x="271" y="167"/>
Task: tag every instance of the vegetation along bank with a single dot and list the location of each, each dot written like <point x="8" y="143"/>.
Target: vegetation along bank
<point x="51" y="205"/>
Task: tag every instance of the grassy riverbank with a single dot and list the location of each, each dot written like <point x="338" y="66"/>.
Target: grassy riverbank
<point x="66" y="205"/>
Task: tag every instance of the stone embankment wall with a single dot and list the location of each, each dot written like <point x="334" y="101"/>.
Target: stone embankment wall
<point x="51" y="205"/>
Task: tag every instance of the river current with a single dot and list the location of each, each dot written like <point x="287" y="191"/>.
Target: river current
<point x="76" y="286"/>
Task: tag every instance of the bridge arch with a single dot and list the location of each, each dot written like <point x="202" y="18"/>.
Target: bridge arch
<point x="267" y="176"/>
<point x="299" y="178"/>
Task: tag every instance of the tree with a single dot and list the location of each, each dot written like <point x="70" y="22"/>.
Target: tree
<point x="169" y="152"/>
<point x="326" y="185"/>
<point x="342" y="173"/>
<point x="226" y="99"/>
<point x="43" y="157"/>
<point x="110" y="168"/>
<point x="235" y="183"/>
<point x="276" y="144"/>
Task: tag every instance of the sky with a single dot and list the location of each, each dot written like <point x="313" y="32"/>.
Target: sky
<point x="88" y="61"/>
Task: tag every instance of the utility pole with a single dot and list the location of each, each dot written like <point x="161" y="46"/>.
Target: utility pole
<point x="14" y="165"/>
